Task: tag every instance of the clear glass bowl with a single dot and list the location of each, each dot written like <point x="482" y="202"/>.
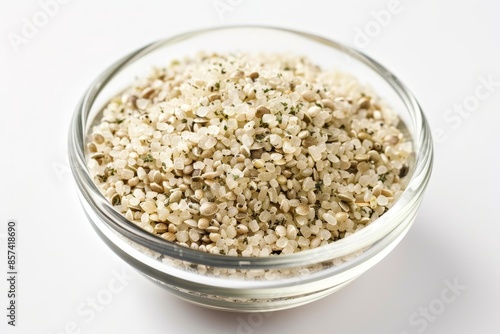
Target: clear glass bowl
<point x="236" y="283"/>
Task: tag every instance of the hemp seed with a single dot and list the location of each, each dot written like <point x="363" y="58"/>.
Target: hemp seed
<point x="249" y="155"/>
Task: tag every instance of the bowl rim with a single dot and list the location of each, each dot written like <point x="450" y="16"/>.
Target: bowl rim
<point x="422" y="145"/>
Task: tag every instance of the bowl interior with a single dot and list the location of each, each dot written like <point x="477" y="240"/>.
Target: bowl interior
<point x="328" y="54"/>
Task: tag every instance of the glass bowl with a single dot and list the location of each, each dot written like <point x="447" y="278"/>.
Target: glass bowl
<point x="248" y="283"/>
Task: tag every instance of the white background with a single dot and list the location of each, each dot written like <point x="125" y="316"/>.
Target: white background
<point x="439" y="49"/>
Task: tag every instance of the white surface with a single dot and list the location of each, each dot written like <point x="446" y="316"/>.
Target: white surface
<point x="438" y="49"/>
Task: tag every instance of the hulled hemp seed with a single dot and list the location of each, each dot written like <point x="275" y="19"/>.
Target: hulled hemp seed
<point x="249" y="155"/>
